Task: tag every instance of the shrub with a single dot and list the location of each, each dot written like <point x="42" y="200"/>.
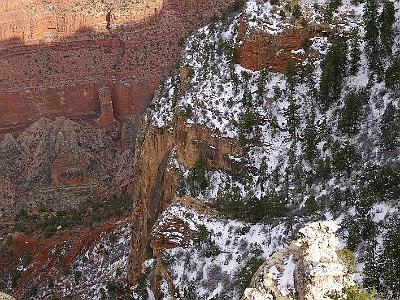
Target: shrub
<point x="356" y="292"/>
<point x="348" y="259"/>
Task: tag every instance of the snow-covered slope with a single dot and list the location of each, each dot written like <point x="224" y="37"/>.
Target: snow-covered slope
<point x="319" y="142"/>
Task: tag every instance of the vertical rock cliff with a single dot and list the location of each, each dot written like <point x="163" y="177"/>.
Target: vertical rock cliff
<point x="155" y="183"/>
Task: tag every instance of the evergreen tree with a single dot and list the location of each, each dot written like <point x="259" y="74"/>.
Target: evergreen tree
<point x="390" y="127"/>
<point x="333" y="73"/>
<point x="197" y="179"/>
<point x="345" y="157"/>
<point x="263" y="173"/>
<point x="372" y="34"/>
<point x="392" y="76"/>
<point x="391" y="257"/>
<point x="141" y="288"/>
<point x="249" y="130"/>
<point x="355" y="54"/>
<point x="372" y="268"/>
<point x="291" y="74"/>
<point x="310" y="138"/>
<point x="333" y="5"/>
<point x="292" y="116"/>
<point x="351" y="113"/>
<point x="261" y="84"/>
<point x="229" y="201"/>
<point x="290" y="174"/>
<point x="386" y="21"/>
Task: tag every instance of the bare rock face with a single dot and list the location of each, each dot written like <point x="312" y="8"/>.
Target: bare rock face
<point x="308" y="269"/>
<point x="57" y="56"/>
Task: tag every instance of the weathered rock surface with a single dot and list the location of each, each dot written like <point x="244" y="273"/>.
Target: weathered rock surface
<point x="59" y="164"/>
<point x="308" y="269"/>
<point x="155" y="183"/>
<point x="57" y="56"/>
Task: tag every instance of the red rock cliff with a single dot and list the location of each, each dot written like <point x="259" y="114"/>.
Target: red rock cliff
<point x="56" y="55"/>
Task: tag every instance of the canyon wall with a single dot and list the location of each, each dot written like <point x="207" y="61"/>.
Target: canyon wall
<point x="75" y="77"/>
<point x="155" y="182"/>
<point x="56" y="56"/>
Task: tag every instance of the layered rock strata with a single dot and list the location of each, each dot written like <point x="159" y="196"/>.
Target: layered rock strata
<point x="57" y="56"/>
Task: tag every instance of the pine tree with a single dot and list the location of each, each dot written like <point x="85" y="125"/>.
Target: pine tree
<point x="249" y="130"/>
<point x="391" y="257"/>
<point x="333" y="5"/>
<point x="392" y="76"/>
<point x="263" y="173"/>
<point x="197" y="179"/>
<point x="372" y="35"/>
<point x="261" y="84"/>
<point x="333" y="73"/>
<point x="390" y="127"/>
<point x="292" y="116"/>
<point x="386" y="21"/>
<point x="345" y="157"/>
<point x="351" y="113"/>
<point x="355" y="54"/>
<point x="372" y="268"/>
<point x="310" y="138"/>
<point x="291" y="74"/>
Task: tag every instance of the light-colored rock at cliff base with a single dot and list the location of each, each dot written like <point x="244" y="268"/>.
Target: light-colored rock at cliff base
<point x="5" y="297"/>
<point x="308" y="269"/>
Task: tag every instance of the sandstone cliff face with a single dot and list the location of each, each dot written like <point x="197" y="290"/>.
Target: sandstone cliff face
<point x="57" y="55"/>
<point x="308" y="269"/>
<point x="155" y="183"/>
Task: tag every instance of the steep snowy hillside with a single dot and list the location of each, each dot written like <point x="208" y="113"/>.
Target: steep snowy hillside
<point x="316" y="114"/>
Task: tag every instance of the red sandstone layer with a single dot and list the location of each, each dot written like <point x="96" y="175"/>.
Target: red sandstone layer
<point x="56" y="55"/>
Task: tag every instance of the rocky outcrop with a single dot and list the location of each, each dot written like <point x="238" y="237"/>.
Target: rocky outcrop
<point x="155" y="183"/>
<point x="308" y="269"/>
<point x="261" y="50"/>
<point x="55" y="56"/>
<point x="60" y="164"/>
